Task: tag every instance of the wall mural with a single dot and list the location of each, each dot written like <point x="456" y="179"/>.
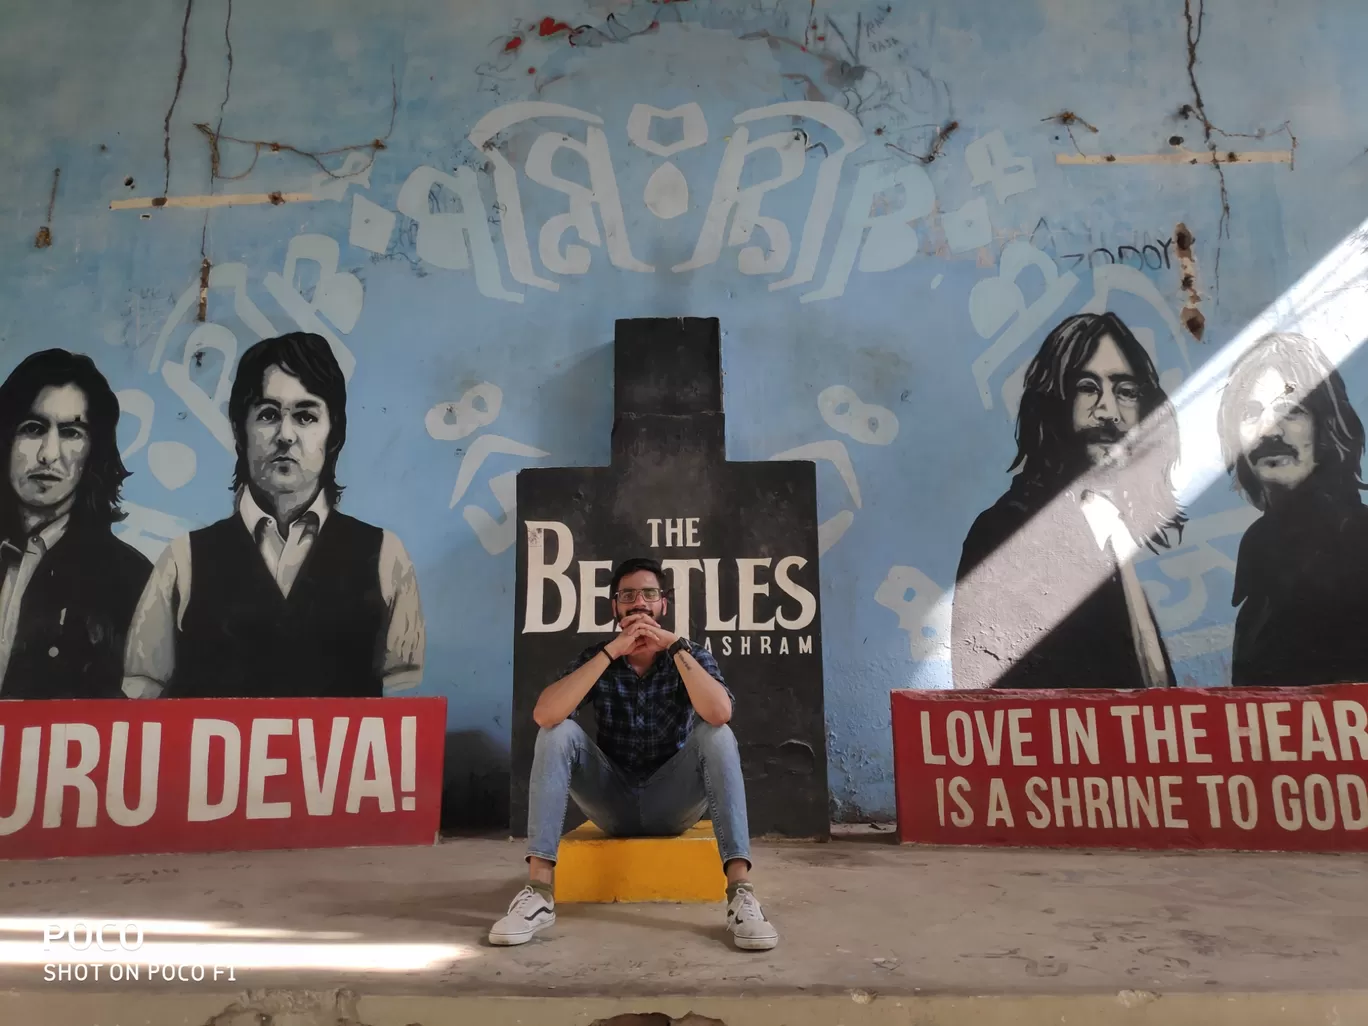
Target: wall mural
<point x="1046" y="594"/>
<point x="1295" y="446"/>
<point x="274" y="622"/>
<point x="69" y="585"/>
<point x="982" y="330"/>
<point x="86" y="615"/>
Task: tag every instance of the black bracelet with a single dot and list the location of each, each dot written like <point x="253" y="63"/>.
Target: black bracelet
<point x="680" y="644"/>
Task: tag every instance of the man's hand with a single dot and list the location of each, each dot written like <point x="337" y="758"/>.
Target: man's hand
<point x="640" y="635"/>
<point x="631" y="639"/>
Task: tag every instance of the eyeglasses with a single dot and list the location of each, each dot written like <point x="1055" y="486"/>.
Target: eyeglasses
<point x="1128" y="393"/>
<point x="631" y="594"/>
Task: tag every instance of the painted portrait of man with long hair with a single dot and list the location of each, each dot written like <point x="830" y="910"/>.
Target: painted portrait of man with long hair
<point x="1294" y="444"/>
<point x="1046" y="594"/>
<point x="69" y="586"/>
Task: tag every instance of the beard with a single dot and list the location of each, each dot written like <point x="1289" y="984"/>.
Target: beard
<point x="1103" y="444"/>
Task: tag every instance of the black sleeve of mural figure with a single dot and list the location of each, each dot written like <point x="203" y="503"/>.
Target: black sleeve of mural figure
<point x="1038" y="605"/>
<point x="738" y="539"/>
<point x="1301" y="586"/>
<point x="74" y="618"/>
<point x="69" y="586"/>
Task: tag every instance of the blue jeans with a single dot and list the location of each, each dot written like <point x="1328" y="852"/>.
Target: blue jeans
<point x="703" y="776"/>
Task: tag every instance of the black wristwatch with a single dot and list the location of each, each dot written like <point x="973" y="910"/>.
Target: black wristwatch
<point x="681" y="644"/>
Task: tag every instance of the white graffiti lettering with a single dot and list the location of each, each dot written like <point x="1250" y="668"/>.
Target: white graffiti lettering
<point x="1190" y="563"/>
<point x="990" y="160"/>
<point x="880" y="233"/>
<point x="443" y="236"/>
<point x="994" y="302"/>
<point x="833" y="452"/>
<point x="845" y="412"/>
<point x="479" y="407"/>
<point x="923" y="610"/>
<point x="337" y="295"/>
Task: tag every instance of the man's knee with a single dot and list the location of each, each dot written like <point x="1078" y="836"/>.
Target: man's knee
<point x="716" y="742"/>
<point x="565" y="737"/>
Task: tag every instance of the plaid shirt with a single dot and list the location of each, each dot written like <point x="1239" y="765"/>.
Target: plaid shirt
<point x="643" y="721"/>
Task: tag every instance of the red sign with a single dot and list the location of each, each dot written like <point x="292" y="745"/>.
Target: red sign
<point x="241" y="774"/>
<point x="1243" y="769"/>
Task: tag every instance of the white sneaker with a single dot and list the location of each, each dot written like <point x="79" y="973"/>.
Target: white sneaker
<point x="746" y="922"/>
<point x="528" y="914"/>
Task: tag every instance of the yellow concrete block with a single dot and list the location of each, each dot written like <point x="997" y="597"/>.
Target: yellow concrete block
<point x="592" y="867"/>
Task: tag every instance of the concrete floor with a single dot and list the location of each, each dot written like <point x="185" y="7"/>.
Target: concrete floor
<point x="859" y="914"/>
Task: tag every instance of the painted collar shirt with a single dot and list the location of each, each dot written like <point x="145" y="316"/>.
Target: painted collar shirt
<point x="19" y="567"/>
<point x="643" y="721"/>
<point x="1111" y="534"/>
<point x="283" y="556"/>
<point x="149" y="659"/>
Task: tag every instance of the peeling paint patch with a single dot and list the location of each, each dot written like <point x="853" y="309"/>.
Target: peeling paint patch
<point x="1192" y="317"/>
<point x="298" y="1008"/>
<point x="1180" y="156"/>
<point x="44" y="237"/>
<point x="222" y="200"/>
<point x="204" y="289"/>
<point x="1068" y="119"/>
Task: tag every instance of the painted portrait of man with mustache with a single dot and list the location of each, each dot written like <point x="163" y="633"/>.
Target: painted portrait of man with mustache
<point x="1046" y="595"/>
<point x="1294" y="446"/>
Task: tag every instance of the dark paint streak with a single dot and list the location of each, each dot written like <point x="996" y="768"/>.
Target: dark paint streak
<point x="1198" y="109"/>
<point x="936" y="144"/>
<point x="1068" y="119"/>
<point x="204" y="288"/>
<point x="43" y="239"/>
<point x="228" y="79"/>
<point x="52" y="196"/>
<point x="274" y="146"/>
<point x="213" y="164"/>
<point x="180" y="81"/>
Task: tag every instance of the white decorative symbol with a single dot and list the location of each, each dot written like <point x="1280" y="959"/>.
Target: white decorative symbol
<point x="172" y="463"/>
<point x="477" y="408"/>
<point x="667" y="191"/>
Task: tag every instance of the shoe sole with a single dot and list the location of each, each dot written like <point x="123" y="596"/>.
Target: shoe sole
<point x="755" y="943"/>
<point x="512" y="940"/>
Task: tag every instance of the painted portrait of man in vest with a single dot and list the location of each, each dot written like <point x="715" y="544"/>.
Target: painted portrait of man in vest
<point x="69" y="585"/>
<point x="288" y="596"/>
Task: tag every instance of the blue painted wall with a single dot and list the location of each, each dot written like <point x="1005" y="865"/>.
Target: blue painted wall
<point x="897" y="311"/>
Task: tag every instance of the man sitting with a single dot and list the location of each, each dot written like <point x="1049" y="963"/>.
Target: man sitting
<point x="654" y="771"/>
